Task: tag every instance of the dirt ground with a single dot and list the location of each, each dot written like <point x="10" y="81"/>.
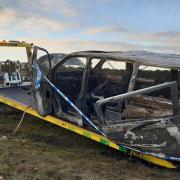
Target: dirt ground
<point x="40" y="150"/>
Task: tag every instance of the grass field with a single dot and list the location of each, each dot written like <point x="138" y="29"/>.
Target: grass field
<point x="40" y="150"/>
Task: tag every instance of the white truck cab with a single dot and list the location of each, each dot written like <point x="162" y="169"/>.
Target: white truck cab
<point x="10" y="74"/>
<point x="12" y="79"/>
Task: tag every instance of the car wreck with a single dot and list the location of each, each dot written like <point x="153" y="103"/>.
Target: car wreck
<point x="133" y="96"/>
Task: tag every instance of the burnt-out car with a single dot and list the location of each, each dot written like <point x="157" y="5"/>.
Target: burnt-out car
<point x="133" y="96"/>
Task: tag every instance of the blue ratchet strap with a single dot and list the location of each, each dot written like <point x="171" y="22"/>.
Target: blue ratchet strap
<point x="37" y="85"/>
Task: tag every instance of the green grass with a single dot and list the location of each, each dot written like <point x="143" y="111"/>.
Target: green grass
<point x="40" y="150"/>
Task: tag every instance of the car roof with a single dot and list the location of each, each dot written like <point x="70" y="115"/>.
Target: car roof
<point x="142" y="57"/>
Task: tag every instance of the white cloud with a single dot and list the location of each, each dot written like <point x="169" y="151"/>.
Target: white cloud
<point x="17" y="22"/>
<point x="170" y="38"/>
<point x="156" y="39"/>
<point x="43" y="23"/>
<point x="8" y="16"/>
<point x="71" y="45"/>
<point x="36" y="19"/>
<point x="104" y="29"/>
<point x="61" y="7"/>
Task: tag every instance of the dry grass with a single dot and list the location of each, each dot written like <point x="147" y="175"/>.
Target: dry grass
<point x="43" y="151"/>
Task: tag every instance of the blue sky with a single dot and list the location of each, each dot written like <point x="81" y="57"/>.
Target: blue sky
<point x="72" y="25"/>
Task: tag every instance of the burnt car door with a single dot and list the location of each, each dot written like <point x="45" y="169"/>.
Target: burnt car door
<point x="41" y="89"/>
<point x="68" y="75"/>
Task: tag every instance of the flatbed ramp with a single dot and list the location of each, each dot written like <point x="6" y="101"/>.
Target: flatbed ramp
<point x="20" y="99"/>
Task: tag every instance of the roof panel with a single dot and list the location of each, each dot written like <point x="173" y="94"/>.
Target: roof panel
<point x="144" y="57"/>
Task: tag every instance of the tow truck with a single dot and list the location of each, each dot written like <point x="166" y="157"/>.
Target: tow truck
<point x="15" y="73"/>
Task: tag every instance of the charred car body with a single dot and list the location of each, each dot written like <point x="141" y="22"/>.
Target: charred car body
<point x="132" y="96"/>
